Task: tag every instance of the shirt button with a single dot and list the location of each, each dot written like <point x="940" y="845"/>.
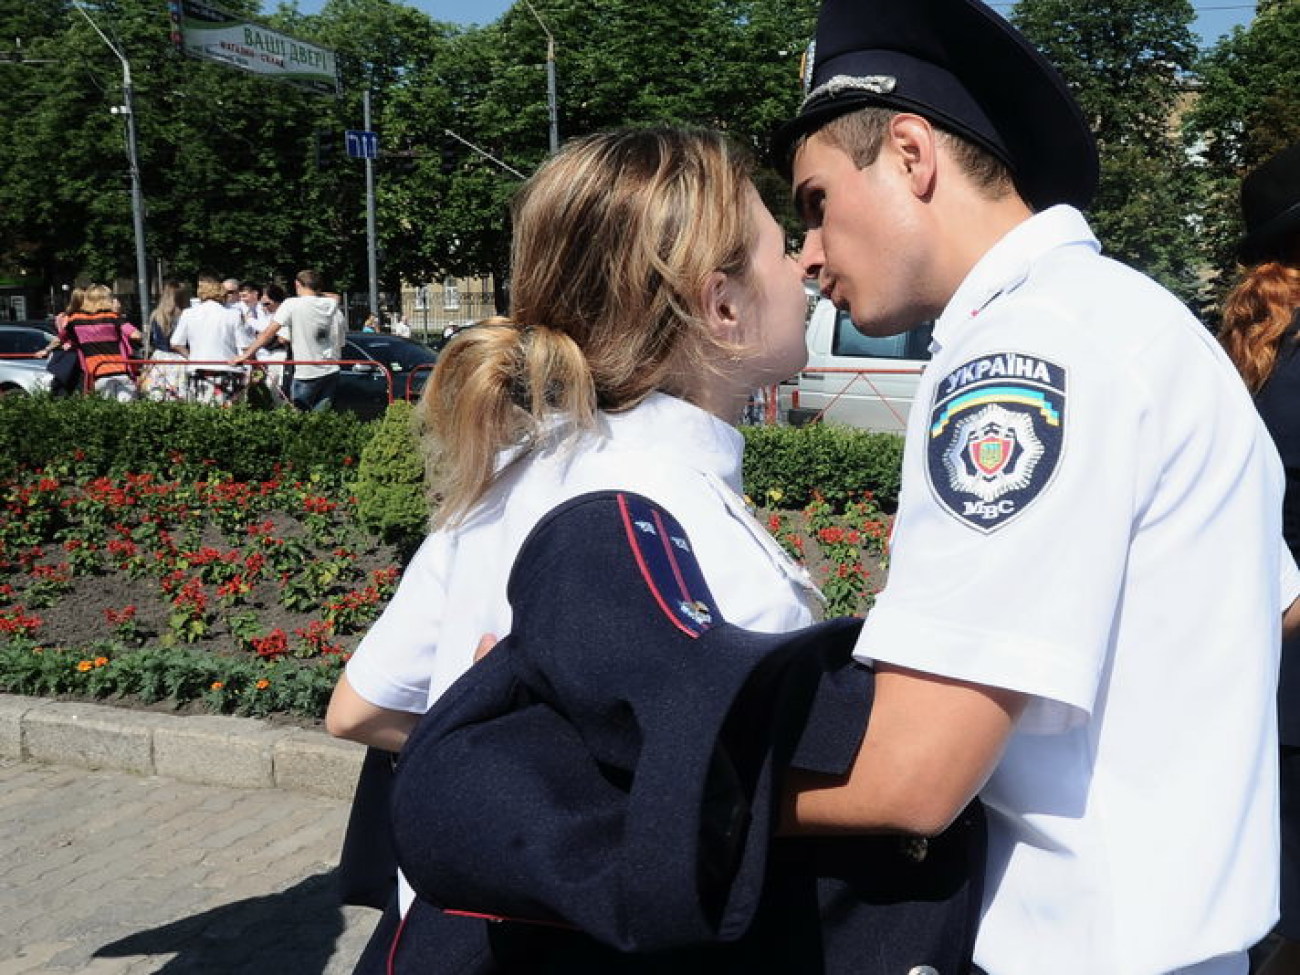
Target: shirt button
<point x="923" y="970"/>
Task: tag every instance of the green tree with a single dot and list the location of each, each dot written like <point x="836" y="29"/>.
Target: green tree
<point x="1248" y="109"/>
<point x="731" y="64"/>
<point x="1127" y="62"/>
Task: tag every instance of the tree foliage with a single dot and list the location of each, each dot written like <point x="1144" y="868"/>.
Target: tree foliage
<point x="233" y="178"/>
<point x="1126" y="62"/>
<point x="1249" y="108"/>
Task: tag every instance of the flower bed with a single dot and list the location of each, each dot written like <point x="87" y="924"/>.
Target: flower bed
<point x="247" y="597"/>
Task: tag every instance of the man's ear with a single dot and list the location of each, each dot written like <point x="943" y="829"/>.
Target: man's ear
<point x="718" y="302"/>
<point x="914" y="141"/>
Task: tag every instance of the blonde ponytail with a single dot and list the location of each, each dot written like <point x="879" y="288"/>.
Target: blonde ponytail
<point x="613" y="240"/>
<point x="496" y="388"/>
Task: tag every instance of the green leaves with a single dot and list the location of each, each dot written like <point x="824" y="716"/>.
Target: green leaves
<point x="1127" y="62"/>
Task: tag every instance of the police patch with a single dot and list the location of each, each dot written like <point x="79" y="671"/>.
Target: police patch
<point x="995" y="436"/>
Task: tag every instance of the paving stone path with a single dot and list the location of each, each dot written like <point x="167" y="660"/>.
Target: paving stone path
<point x="113" y="872"/>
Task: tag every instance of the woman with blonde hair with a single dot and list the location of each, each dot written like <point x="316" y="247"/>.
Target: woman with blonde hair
<point x="173" y="300"/>
<point x="103" y="340"/>
<point x="651" y="292"/>
<point x="1261" y="333"/>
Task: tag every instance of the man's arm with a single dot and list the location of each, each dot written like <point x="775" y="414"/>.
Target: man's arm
<point x="263" y="339"/>
<point x="930" y="746"/>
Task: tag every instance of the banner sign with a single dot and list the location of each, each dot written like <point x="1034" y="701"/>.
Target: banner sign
<point x="204" y="30"/>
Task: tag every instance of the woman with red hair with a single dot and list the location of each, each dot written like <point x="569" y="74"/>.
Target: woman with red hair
<point x="1261" y="333"/>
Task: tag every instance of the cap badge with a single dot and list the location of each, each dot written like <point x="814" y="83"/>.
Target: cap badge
<point x="806" y="67"/>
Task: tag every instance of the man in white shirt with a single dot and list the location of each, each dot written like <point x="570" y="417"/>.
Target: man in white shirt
<point x="317" y="331"/>
<point x="207" y="334"/>
<point x="1087" y="577"/>
<point x="253" y="317"/>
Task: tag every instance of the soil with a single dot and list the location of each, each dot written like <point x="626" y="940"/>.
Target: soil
<point x="77" y="618"/>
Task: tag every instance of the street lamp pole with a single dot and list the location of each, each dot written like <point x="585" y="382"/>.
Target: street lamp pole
<point x="137" y="197"/>
<point x="371" y="242"/>
<point x="551" y="107"/>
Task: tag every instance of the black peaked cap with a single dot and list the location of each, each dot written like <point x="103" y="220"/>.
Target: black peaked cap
<point x="966" y="69"/>
<point x="1270" y="205"/>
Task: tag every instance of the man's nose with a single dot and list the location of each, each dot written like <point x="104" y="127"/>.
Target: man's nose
<point x="811" y="257"/>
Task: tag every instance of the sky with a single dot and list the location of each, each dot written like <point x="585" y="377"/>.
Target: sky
<point x="1214" y="17"/>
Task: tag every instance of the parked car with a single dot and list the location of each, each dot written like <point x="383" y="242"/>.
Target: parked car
<point x="22" y="339"/>
<point x="363" y="387"/>
<point x="855" y="379"/>
<point x="22" y="376"/>
<point x="45" y="325"/>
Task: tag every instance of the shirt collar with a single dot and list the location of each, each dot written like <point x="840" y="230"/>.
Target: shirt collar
<point x="1006" y="265"/>
<point x="695" y="436"/>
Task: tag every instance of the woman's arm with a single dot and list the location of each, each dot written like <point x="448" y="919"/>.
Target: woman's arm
<point x="352" y="717"/>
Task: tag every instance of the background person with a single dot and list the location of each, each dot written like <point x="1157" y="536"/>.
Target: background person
<point x="172" y="301"/>
<point x="317" y="331"/>
<point x="64" y="364"/>
<point x="253" y="316"/>
<point x="1261" y="332"/>
<point x="103" y="340"/>
<point x="207" y="335"/>
<point x="1082" y="472"/>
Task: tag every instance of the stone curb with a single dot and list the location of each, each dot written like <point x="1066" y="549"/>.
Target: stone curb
<point x="243" y="753"/>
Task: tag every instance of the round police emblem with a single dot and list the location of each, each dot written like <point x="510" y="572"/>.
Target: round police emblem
<point x="995" y="436"/>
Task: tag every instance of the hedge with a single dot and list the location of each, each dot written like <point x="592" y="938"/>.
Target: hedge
<point x="785" y="467"/>
<point x="99" y="437"/>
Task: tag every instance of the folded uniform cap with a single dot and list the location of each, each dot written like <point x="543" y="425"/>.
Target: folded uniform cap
<point x="611" y="765"/>
<point x="963" y="67"/>
<point x="1270" y="205"/>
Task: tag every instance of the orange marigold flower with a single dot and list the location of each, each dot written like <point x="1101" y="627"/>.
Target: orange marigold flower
<point x="101" y="661"/>
<point x="263" y="684"/>
<point x="218" y="685"/>
<point x="84" y="665"/>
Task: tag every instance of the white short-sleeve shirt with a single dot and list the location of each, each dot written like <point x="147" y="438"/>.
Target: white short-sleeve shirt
<point x="454" y="590"/>
<point x="1090" y="514"/>
<point x="209" y="331"/>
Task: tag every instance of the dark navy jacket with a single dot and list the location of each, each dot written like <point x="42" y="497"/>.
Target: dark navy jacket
<point x="606" y="784"/>
<point x="1278" y="403"/>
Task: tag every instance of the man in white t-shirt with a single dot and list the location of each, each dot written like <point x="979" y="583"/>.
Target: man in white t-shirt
<point x="1087" y="577"/>
<point x="317" y="331"/>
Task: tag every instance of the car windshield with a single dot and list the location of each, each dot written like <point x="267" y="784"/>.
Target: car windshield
<point x="397" y="354"/>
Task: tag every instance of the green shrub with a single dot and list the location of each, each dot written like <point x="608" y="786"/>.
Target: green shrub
<point x="225" y="684"/>
<point x="95" y="437"/>
<point x="786" y="466"/>
<point x="391" y="497"/>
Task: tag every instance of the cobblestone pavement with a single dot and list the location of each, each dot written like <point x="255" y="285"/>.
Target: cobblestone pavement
<point x="110" y="872"/>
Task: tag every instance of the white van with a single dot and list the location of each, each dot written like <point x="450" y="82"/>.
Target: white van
<point x="856" y="379"/>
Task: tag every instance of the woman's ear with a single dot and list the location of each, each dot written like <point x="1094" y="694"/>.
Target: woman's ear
<point x="718" y="300"/>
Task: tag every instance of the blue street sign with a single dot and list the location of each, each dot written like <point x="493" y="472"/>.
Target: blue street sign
<point x="361" y="144"/>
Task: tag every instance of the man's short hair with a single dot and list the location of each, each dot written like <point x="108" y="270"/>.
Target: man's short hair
<point x="860" y="134"/>
<point x="312" y="280"/>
